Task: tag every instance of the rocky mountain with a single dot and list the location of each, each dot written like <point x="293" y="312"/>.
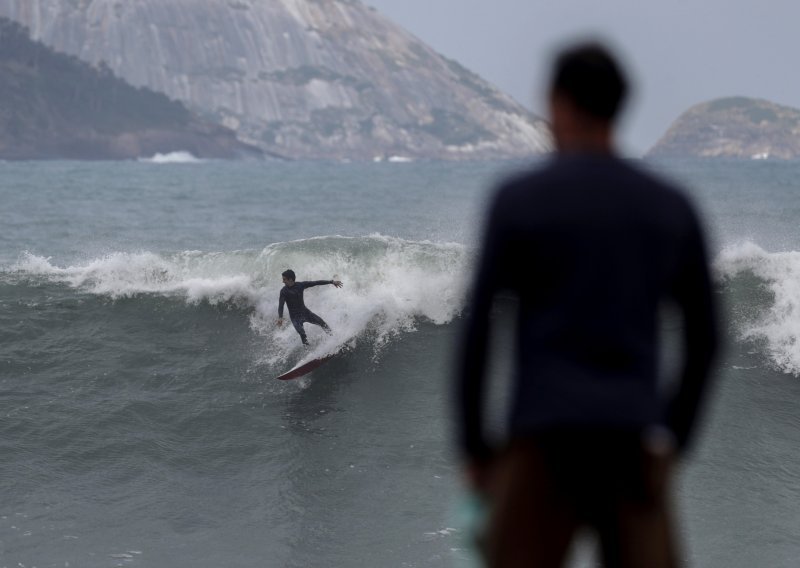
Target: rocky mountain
<point x="56" y="106"/>
<point x="329" y="79"/>
<point x="734" y="127"/>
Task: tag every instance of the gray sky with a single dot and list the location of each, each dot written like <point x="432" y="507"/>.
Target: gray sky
<point x="679" y="52"/>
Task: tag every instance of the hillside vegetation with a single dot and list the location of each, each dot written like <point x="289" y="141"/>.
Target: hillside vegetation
<point x="56" y="106"/>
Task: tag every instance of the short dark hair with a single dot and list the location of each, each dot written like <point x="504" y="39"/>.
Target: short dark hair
<point x="289" y="274"/>
<point x="591" y="78"/>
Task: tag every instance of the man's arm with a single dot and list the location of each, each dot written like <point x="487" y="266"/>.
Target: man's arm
<point x="305" y="285"/>
<point x="471" y="362"/>
<point x="694" y="294"/>
<point x="281" y="302"/>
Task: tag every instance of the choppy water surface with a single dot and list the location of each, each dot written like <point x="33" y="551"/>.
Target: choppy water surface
<point x="141" y="425"/>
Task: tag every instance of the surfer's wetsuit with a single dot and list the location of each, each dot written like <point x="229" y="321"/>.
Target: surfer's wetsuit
<point x="292" y="296"/>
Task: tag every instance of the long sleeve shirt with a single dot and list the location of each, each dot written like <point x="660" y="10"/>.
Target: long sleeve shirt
<point x="591" y="246"/>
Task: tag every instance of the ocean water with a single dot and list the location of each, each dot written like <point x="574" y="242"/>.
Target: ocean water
<point x="141" y="425"/>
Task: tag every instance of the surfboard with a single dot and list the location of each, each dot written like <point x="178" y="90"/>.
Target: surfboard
<point x="304" y="369"/>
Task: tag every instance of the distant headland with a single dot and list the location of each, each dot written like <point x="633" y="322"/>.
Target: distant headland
<point x="733" y="127"/>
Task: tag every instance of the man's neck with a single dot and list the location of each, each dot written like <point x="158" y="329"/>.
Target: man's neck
<point x="590" y="140"/>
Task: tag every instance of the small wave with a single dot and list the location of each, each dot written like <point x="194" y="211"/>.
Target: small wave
<point x="390" y="283"/>
<point x="191" y="275"/>
<point x="173" y="158"/>
<point x="770" y="304"/>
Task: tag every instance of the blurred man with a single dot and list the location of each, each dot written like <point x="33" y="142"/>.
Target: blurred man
<point x="592" y="247"/>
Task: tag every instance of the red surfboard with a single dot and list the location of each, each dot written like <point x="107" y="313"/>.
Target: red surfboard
<point x="303" y="369"/>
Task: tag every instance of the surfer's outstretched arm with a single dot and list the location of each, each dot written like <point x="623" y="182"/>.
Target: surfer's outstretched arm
<point x="336" y="283"/>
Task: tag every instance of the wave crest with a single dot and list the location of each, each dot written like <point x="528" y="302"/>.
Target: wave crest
<point x="766" y="299"/>
<point x="390" y="283"/>
<point x="173" y="158"/>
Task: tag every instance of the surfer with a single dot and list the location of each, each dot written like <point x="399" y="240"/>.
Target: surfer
<point x="292" y="296"/>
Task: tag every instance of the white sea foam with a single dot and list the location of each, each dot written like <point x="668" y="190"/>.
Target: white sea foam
<point x="389" y="285"/>
<point x="194" y="276"/>
<point x="777" y="325"/>
<point x="172" y="158"/>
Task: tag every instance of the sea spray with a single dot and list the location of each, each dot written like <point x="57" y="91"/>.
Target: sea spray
<point x="388" y="284"/>
<point x="773" y="319"/>
<point x="172" y="158"/>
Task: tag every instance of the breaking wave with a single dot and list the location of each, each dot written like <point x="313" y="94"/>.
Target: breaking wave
<point x="173" y="158"/>
<point x="389" y="285"/>
<point x="763" y="289"/>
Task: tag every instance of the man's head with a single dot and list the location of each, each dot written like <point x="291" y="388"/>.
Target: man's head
<point x="587" y="91"/>
<point x="288" y="277"/>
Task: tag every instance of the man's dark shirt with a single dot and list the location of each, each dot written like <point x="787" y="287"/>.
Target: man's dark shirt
<point x="292" y="296"/>
<point x="591" y="246"/>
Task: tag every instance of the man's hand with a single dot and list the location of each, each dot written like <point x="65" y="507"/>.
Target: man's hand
<point x="337" y="283"/>
<point x="479" y="476"/>
<point x="279" y="323"/>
